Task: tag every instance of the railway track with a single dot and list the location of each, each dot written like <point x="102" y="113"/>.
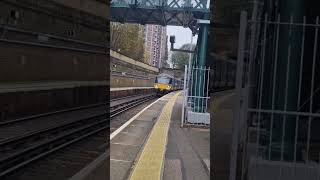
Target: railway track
<point x="19" y="152"/>
<point x="135" y="101"/>
<point x="13" y="121"/>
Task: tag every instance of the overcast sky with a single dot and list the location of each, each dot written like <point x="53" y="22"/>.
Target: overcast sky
<point x="183" y="36"/>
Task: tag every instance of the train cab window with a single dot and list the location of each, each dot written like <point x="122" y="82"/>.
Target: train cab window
<point x="163" y="80"/>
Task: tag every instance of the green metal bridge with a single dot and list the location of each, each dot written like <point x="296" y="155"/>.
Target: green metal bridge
<point x="161" y="12"/>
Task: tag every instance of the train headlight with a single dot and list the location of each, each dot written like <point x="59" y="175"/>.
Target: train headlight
<point x="156" y="86"/>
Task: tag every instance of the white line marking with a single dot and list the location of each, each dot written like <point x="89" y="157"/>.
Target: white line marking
<point x="116" y="132"/>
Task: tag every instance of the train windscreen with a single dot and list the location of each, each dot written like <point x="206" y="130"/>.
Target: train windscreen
<point x="163" y="80"/>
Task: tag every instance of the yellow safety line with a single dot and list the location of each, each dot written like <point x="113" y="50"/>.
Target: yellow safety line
<point x="150" y="163"/>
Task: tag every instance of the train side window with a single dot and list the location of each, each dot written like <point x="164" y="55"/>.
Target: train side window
<point x="14" y="17"/>
<point x="14" y="14"/>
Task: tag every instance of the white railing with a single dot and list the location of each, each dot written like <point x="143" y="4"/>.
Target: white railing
<point x="196" y="96"/>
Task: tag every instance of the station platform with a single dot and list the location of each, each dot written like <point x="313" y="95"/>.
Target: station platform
<point x="152" y="145"/>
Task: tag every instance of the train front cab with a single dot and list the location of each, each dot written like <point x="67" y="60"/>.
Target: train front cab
<point x="163" y="85"/>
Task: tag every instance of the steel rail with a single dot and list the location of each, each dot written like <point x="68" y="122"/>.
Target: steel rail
<point x="125" y="97"/>
<point x="51" y="113"/>
<point x="129" y="106"/>
<point x="33" y="151"/>
<point x="41" y="132"/>
<point x="130" y="100"/>
<point x="22" y="158"/>
<point x="36" y="134"/>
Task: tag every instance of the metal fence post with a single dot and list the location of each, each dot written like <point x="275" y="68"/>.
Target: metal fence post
<point x="237" y="105"/>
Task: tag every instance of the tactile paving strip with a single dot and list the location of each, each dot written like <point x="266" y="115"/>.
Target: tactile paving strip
<point x="150" y="163"/>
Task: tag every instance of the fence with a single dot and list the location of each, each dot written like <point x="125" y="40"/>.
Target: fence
<point x="196" y="96"/>
<point x="276" y="113"/>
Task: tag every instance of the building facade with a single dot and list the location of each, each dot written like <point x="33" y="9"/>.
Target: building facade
<point x="155" y="44"/>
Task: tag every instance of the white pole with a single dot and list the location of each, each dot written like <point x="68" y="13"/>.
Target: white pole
<point x="184" y="94"/>
<point x="190" y="59"/>
<point x="189" y="68"/>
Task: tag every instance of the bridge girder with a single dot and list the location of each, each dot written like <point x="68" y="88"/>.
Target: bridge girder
<point x="161" y="12"/>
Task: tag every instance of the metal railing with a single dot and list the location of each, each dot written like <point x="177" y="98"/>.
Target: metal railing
<point x="276" y="110"/>
<point x="196" y="95"/>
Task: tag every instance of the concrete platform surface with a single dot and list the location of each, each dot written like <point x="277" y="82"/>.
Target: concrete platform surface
<point x="127" y="144"/>
<point x="150" y="162"/>
<point x="188" y="150"/>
